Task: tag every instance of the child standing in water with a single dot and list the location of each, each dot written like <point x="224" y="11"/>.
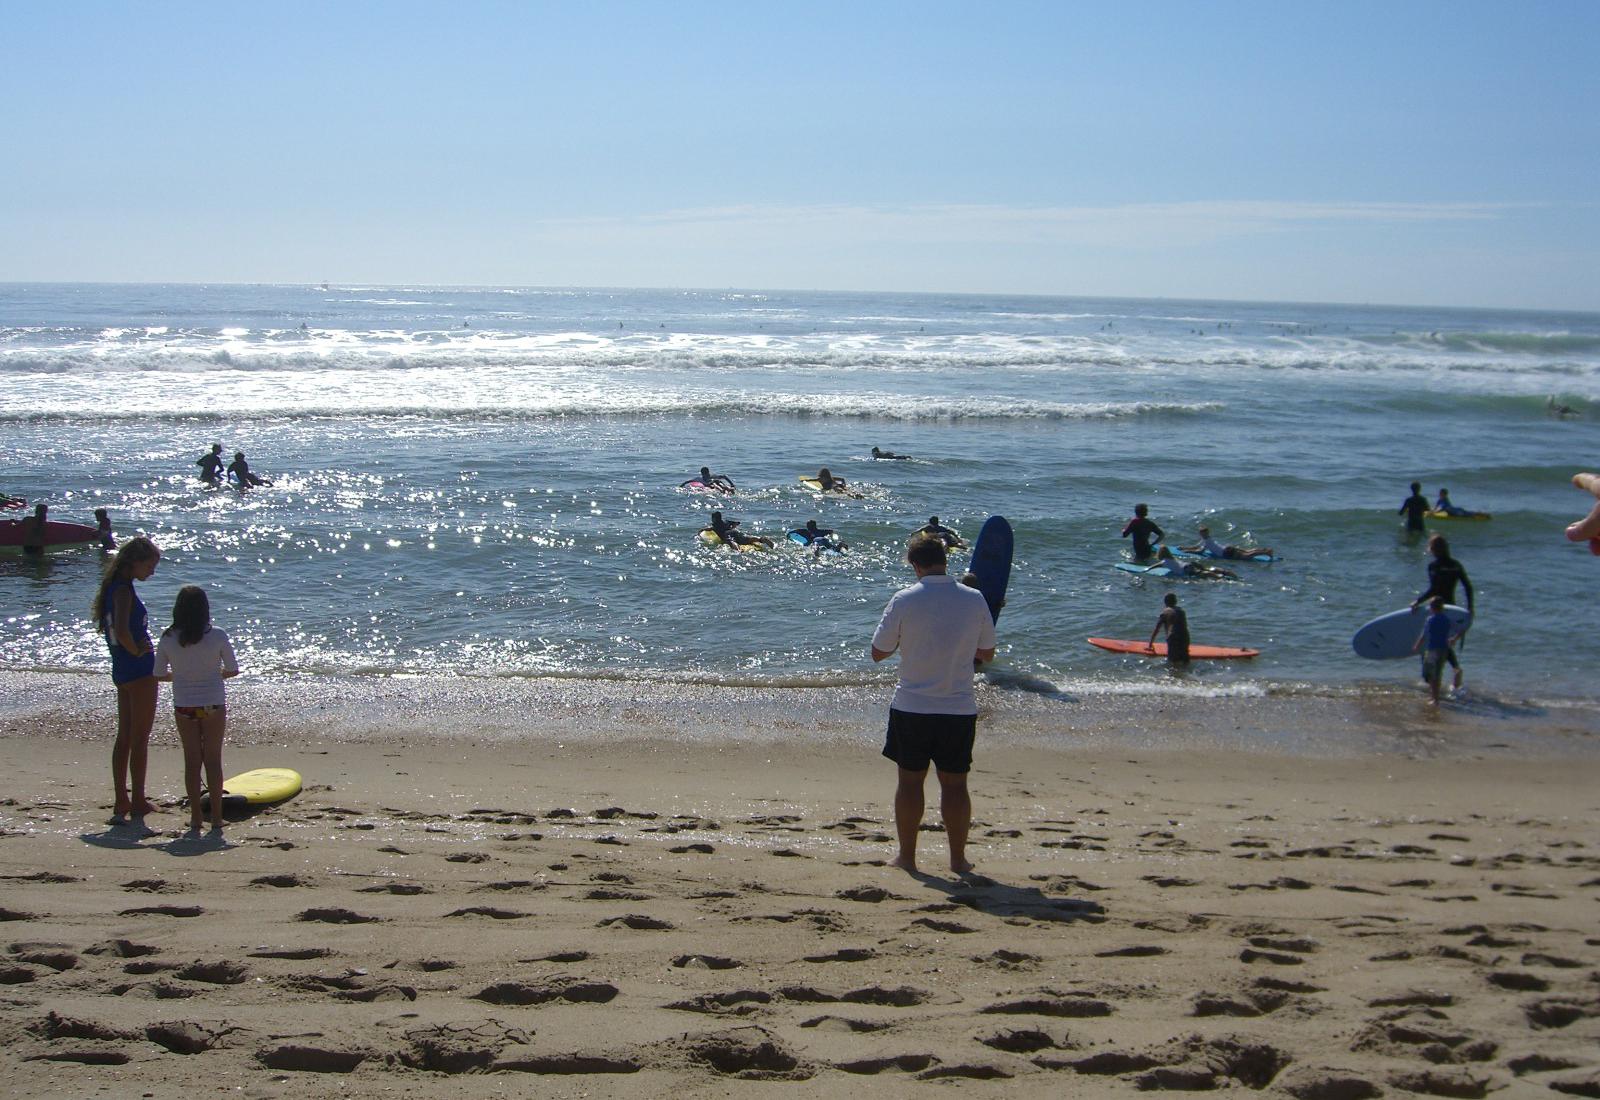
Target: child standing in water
<point x="197" y="657"/>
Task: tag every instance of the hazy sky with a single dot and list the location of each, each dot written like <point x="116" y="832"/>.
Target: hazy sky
<point x="1399" y="151"/>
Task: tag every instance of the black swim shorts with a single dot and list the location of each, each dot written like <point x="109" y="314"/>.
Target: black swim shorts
<point x="946" y="740"/>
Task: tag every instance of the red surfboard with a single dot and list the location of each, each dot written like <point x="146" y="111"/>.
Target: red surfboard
<point x="1159" y="649"/>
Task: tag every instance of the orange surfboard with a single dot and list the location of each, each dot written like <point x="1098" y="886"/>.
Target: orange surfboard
<point x="1159" y="649"/>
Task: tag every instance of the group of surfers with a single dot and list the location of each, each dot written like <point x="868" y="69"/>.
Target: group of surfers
<point x="238" y="472"/>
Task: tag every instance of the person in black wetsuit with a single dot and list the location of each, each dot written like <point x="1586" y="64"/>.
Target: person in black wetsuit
<point x="1414" y="507"/>
<point x="211" y="464"/>
<point x="239" y="471"/>
<point x="1176" y="623"/>
<point x="942" y="533"/>
<point x="888" y="454"/>
<point x="720" y="482"/>
<point x="1444" y="573"/>
<point x="725" y="531"/>
<point x="1141" y="527"/>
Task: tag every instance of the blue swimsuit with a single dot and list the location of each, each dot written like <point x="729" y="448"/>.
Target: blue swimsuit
<point x="125" y="667"/>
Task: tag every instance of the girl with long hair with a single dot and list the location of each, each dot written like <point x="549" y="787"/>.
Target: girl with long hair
<point x="119" y="614"/>
<point x="196" y="657"/>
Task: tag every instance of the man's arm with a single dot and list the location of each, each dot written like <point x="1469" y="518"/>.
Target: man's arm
<point x="884" y="654"/>
<point x="983" y="656"/>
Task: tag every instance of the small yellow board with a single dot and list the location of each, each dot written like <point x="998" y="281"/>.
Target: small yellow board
<point x="262" y="786"/>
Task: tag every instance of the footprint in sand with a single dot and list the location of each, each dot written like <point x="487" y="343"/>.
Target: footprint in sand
<point x="163" y="911"/>
<point x="487" y="911"/>
<point x="335" y="916"/>
<point x="282" y="882"/>
<point x="402" y="889"/>
<point x="637" y="921"/>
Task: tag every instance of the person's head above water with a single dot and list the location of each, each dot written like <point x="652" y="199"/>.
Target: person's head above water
<point x="238" y="454"/>
<point x="811" y="525"/>
<point x="705" y="473"/>
<point x="216" y="448"/>
<point x="716" y="517"/>
<point x="1164" y="554"/>
<point x="1141" y="510"/>
<point x="1438" y="547"/>
<point x="1170" y="599"/>
<point x="933" y="521"/>
<point x="1444" y="494"/>
<point x="1204" y="531"/>
<point x="1416" y="486"/>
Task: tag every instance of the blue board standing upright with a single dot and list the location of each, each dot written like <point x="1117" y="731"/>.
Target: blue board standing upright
<point x="991" y="562"/>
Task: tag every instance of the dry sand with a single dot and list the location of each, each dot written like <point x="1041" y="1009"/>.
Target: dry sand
<point x="511" y="919"/>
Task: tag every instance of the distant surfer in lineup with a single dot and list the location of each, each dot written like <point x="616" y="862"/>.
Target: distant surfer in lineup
<point x="1414" y="508"/>
<point x="822" y="538"/>
<point x="1444" y="573"/>
<point x="942" y="631"/>
<point x="939" y="531"/>
<point x="1214" y="549"/>
<point x="1444" y="504"/>
<point x="239" y="473"/>
<point x="1175" y="621"/>
<point x="1587" y="528"/>
<point x="888" y="454"/>
<point x="725" y="531"/>
<point x="708" y="480"/>
<point x="1142" y="528"/>
<point x="211" y="465"/>
<point x="1440" y="635"/>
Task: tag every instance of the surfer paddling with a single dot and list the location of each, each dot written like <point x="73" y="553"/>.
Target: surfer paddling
<point x="1211" y="548"/>
<point x="941" y="630"/>
<point x="720" y="483"/>
<point x="889" y="454"/>
<point x="725" y="531"/>
<point x="934" y="529"/>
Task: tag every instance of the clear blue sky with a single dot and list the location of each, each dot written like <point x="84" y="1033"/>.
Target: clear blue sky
<point x="1409" y="152"/>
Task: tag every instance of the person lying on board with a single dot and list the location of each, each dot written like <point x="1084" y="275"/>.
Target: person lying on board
<point x="941" y="532"/>
<point x="720" y="482"/>
<point x="820" y="537"/>
<point x="239" y="472"/>
<point x="1587" y="528"/>
<point x="829" y="483"/>
<point x="1211" y="548"/>
<point x="725" y="531"/>
<point x="1443" y="504"/>
<point x="1192" y="569"/>
<point x="888" y="454"/>
<point x="8" y="503"/>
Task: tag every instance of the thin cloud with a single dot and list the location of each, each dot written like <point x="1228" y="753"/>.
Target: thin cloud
<point x="1127" y="225"/>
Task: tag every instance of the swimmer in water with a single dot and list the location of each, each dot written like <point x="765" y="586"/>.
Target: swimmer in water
<point x="725" y="531"/>
<point x="720" y="482"/>
<point x="944" y="534"/>
<point x="820" y="538"/>
<point x="888" y="454"/>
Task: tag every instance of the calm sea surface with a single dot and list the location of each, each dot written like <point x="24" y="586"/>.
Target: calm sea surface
<point x="484" y="482"/>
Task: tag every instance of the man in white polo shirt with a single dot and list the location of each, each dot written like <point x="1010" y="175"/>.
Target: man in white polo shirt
<point x="940" y="629"/>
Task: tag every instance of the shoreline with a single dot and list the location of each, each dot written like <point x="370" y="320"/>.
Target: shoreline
<point x="696" y="918"/>
<point x="601" y="711"/>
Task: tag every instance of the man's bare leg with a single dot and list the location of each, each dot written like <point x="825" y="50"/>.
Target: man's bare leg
<point x="955" y="807"/>
<point x="908" y="806"/>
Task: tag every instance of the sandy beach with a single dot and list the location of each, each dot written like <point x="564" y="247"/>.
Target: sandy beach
<point x="646" y="915"/>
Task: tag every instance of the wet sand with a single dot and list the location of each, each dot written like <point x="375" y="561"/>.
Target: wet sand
<point x="657" y="912"/>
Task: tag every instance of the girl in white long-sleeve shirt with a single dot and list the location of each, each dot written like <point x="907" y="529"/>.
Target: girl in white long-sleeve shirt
<point x="196" y="657"/>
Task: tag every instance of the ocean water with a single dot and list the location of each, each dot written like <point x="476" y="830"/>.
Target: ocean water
<point x="484" y="482"/>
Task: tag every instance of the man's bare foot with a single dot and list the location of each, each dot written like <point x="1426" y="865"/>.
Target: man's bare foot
<point x="146" y="807"/>
<point x="904" y="864"/>
<point x="961" y="867"/>
<point x="122" y="807"/>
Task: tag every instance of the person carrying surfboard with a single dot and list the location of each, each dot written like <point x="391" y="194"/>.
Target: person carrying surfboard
<point x="1444" y="573"/>
<point x="1142" y="527"/>
<point x="1175" y="621"/>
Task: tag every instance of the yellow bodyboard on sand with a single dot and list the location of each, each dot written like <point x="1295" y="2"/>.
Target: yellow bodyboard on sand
<point x="262" y="785"/>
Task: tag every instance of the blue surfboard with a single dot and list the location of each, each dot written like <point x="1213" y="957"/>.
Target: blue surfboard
<point x="1391" y="636"/>
<point x="991" y="562"/>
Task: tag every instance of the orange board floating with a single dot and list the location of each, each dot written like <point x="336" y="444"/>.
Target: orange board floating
<point x="1159" y="649"/>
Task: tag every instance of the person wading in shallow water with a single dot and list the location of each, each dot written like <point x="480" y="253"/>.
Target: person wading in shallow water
<point x="940" y="628"/>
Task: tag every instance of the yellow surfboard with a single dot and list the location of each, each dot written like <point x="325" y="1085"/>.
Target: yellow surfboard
<point x="264" y="785"/>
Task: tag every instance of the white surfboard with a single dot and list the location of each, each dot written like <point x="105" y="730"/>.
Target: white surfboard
<point x="1393" y="635"/>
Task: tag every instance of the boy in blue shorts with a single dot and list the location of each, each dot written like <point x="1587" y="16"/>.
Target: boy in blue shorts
<point x="1439" y="636"/>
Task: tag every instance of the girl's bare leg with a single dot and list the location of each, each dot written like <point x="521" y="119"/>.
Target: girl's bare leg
<point x="212" y="729"/>
<point x="141" y="695"/>
<point x="189" y="733"/>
